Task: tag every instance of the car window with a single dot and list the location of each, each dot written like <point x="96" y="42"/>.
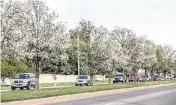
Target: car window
<point x="145" y="76"/>
<point x="22" y="76"/>
<point x="32" y="75"/>
<point x="83" y="77"/>
<point x="156" y="76"/>
<point x="132" y="75"/>
<point x="118" y="75"/>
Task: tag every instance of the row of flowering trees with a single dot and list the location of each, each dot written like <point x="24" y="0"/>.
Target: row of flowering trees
<point x="32" y="32"/>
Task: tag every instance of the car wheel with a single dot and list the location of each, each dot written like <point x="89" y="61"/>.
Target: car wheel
<point x="114" y="82"/>
<point x="76" y="84"/>
<point x="13" y="88"/>
<point x="28" y="86"/>
<point x="21" y="88"/>
<point x="34" y="86"/>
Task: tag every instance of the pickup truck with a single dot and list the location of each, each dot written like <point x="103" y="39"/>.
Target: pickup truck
<point x="23" y="80"/>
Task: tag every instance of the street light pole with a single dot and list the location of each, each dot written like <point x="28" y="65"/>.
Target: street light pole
<point x="78" y="56"/>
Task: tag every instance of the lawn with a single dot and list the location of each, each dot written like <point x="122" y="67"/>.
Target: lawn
<point x="5" y="87"/>
<point x="33" y="94"/>
<point x="53" y="84"/>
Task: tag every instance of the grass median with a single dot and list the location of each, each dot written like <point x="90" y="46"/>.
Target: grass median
<point x="7" y="87"/>
<point x="43" y="93"/>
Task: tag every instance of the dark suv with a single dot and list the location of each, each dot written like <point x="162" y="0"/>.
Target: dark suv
<point x="155" y="77"/>
<point x="174" y="75"/>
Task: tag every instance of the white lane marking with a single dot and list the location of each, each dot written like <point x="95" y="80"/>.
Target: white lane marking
<point x="131" y="100"/>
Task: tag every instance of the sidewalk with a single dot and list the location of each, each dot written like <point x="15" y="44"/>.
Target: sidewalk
<point x="78" y="96"/>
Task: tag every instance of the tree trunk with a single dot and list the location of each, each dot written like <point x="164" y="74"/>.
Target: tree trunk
<point x="145" y="74"/>
<point x="165" y="75"/>
<point x="3" y="80"/>
<point x="55" y="83"/>
<point x="110" y="72"/>
<point x="123" y="73"/>
<point x="55" y="80"/>
<point x="91" y="80"/>
<point x="135" y="75"/>
<point x="37" y="74"/>
<point x="109" y="76"/>
<point x="157" y="71"/>
<point x="152" y="74"/>
<point x="55" y="77"/>
<point x="37" y="81"/>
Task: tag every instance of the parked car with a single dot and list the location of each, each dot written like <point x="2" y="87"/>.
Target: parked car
<point x="145" y="77"/>
<point x="119" y="78"/>
<point x="155" y="77"/>
<point x="169" y="76"/>
<point x="174" y="75"/>
<point x="83" y="80"/>
<point x="23" y="80"/>
<point x="133" y="78"/>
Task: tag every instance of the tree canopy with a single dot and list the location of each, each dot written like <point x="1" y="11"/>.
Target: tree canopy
<point x="33" y="37"/>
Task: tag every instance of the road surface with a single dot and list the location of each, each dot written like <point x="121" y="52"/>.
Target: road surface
<point x="53" y="87"/>
<point x="165" y="95"/>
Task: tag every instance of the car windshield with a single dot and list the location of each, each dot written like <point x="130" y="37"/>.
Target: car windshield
<point x="156" y="76"/>
<point x="118" y="75"/>
<point x="145" y="76"/>
<point x="132" y="75"/>
<point x="82" y="77"/>
<point x="22" y="76"/>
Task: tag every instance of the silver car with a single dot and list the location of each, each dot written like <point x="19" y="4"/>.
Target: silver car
<point x="119" y="78"/>
<point x="145" y="77"/>
<point x="23" y="80"/>
<point x="83" y="80"/>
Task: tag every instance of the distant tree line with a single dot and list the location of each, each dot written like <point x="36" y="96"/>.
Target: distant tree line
<point x="32" y="39"/>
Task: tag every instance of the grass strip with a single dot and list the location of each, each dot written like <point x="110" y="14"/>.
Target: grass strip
<point x="36" y="94"/>
<point x="7" y="87"/>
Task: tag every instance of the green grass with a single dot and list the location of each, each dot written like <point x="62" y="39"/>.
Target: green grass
<point x="57" y="84"/>
<point x="36" y="94"/>
<point x="5" y="87"/>
<point x="53" y="84"/>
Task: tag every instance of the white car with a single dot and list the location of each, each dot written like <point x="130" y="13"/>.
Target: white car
<point x="169" y="76"/>
<point x="23" y="80"/>
<point x="83" y="80"/>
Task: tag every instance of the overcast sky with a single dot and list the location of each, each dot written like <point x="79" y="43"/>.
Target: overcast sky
<point x="154" y="18"/>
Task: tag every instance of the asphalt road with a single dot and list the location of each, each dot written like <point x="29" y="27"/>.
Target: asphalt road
<point x="165" y="95"/>
<point x="53" y="87"/>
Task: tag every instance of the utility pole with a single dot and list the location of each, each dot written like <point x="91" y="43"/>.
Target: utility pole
<point x="78" y="56"/>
